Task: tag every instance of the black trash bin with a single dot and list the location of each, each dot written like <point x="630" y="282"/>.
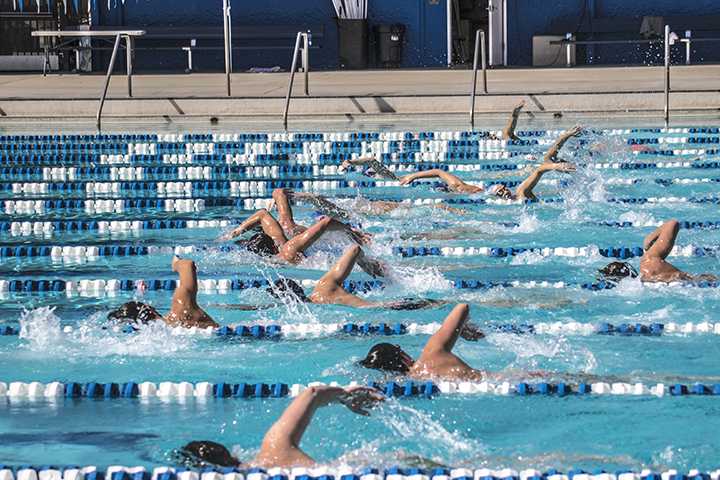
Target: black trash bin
<point x="352" y="43"/>
<point x="389" y="44"/>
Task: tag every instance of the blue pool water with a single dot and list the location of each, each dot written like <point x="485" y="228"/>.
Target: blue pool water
<point x="62" y="336"/>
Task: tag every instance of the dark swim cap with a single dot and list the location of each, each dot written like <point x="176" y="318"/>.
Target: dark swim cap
<point x="205" y="453"/>
<point x="385" y="356"/>
<point x="259" y="244"/>
<point x="616" y="271"/>
<point x="134" y="312"/>
<point x="284" y="288"/>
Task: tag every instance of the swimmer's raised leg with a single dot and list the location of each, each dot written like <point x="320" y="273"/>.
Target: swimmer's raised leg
<point x="509" y="130"/>
<point x="266" y="221"/>
<point x="552" y="153"/>
<point x="185" y="311"/>
<point x="297" y="245"/>
<point x="282" y="198"/>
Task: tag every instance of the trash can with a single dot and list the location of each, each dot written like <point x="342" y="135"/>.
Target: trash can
<point x="352" y="43"/>
<point x="389" y="43"/>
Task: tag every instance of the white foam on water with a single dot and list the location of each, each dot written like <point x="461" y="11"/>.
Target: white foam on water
<point x="42" y="333"/>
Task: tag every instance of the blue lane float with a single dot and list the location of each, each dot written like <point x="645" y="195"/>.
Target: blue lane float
<point x="118" y="472"/>
<point x="101" y="287"/>
<point x="125" y="250"/>
<point x="311" y="330"/>
<point x="405" y="389"/>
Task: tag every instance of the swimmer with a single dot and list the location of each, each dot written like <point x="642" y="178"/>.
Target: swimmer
<point x="287" y="240"/>
<point x="281" y="445"/>
<point x="329" y="290"/>
<point x="436" y="360"/>
<point x="377" y="169"/>
<point x="653" y="266"/>
<point x="184" y="312"/>
<point x="524" y="191"/>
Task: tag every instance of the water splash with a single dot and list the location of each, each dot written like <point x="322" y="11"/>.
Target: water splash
<point x="42" y="333"/>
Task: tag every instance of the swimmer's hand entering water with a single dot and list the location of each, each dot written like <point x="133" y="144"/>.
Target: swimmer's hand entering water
<point x="360" y="399"/>
<point x="472" y="333"/>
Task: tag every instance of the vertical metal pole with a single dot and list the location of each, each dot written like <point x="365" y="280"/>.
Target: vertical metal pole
<point x="568" y="55"/>
<point x="107" y="79"/>
<point x="484" y="58"/>
<point x="228" y="48"/>
<point x="474" y="80"/>
<point x="306" y="62"/>
<point x="129" y="57"/>
<point x="667" y="75"/>
<point x="292" y="78"/>
<point x="687" y="52"/>
<point x="449" y="33"/>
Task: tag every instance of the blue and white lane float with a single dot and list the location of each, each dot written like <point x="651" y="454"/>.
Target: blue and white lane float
<point x="119" y="472"/>
<point x="27" y="228"/>
<point x="317" y="330"/>
<point x="116" y="205"/>
<point x="113" y="287"/>
<point x="199" y="187"/>
<point x="406" y="389"/>
<point x="126" y="250"/>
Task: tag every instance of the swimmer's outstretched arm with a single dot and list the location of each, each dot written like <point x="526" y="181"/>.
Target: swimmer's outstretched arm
<point x="552" y="153"/>
<point x="267" y="222"/>
<point x="453" y="327"/>
<point x="509" y="130"/>
<point x="661" y="241"/>
<point x="323" y="204"/>
<point x="376" y="165"/>
<point x="525" y="189"/>
<point x="448" y="178"/>
<point x="282" y="440"/>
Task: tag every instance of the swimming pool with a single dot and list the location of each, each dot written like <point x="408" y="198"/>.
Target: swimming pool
<point x="118" y="206"/>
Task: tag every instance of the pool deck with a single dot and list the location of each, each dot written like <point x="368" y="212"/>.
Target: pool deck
<point x="595" y="92"/>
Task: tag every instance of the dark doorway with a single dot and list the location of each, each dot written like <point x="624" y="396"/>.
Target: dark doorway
<point x="469" y="16"/>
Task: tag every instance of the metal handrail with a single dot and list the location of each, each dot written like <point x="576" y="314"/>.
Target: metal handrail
<point x="107" y="80"/>
<point x="667" y="75"/>
<point x="227" y="27"/>
<point x="479" y="46"/>
<point x="306" y="37"/>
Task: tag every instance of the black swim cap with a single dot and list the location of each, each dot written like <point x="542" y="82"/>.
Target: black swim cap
<point x="205" y="453"/>
<point x="284" y="287"/>
<point x="385" y="356"/>
<point x="616" y="271"/>
<point x="134" y="312"/>
<point x="259" y="244"/>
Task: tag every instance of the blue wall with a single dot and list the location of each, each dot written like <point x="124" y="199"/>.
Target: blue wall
<point x="535" y="17"/>
<point x="424" y="20"/>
